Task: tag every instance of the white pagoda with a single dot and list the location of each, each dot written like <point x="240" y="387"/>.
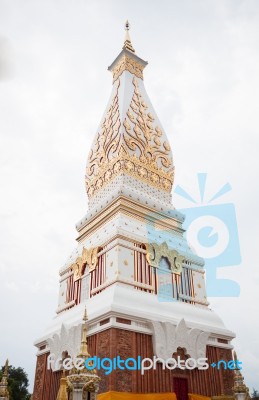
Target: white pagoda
<point x="132" y="268"/>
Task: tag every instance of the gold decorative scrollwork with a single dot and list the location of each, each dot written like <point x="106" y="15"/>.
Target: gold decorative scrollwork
<point x="135" y="147"/>
<point x="155" y="252"/>
<point x="129" y="64"/>
<point x="105" y="148"/>
<point x="142" y="137"/>
<point x="89" y="257"/>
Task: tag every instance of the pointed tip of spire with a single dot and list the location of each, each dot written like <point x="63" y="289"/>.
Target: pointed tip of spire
<point x="6" y="366"/>
<point x="85" y="317"/>
<point x="62" y="393"/>
<point x="127" y="41"/>
<point x="84" y="347"/>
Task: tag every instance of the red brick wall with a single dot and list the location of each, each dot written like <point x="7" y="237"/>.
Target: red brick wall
<point x="114" y="342"/>
<point x="118" y="342"/>
<point x="46" y="383"/>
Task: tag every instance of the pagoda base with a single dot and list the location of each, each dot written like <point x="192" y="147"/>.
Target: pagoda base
<point x="115" y="342"/>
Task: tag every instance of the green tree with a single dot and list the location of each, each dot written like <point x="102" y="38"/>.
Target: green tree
<point x="255" y="394"/>
<point x="17" y="383"/>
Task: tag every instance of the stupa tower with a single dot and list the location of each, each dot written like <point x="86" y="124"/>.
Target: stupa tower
<point x="84" y="383"/>
<point x="4" y="392"/>
<point x="133" y="269"/>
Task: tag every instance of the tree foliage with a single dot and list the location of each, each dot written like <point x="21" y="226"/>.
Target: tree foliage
<point x="255" y="394"/>
<point x="17" y="383"/>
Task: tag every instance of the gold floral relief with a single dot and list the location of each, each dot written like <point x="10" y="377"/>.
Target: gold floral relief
<point x="135" y="146"/>
<point x="107" y="142"/>
<point x="155" y="252"/>
<point x="89" y="257"/>
<point x="142" y="137"/>
<point x="129" y="64"/>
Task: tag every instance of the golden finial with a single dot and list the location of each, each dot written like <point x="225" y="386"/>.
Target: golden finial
<point x="85" y="317"/>
<point x="127" y="42"/>
<point x="84" y="347"/>
<point x="86" y="376"/>
<point x="62" y="393"/>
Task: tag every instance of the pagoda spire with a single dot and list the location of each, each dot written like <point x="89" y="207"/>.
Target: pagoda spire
<point x="4" y="392"/>
<point x="84" y="346"/>
<point x="85" y="380"/>
<point x="6" y="368"/>
<point x="241" y="391"/>
<point x="130" y="148"/>
<point x="78" y="378"/>
<point x="127" y="41"/>
<point x="62" y="393"/>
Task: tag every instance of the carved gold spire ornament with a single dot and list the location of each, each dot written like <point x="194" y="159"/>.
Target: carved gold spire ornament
<point x="155" y="253"/>
<point x="134" y="147"/>
<point x="127" y="63"/>
<point x="83" y="353"/>
<point x="89" y="257"/>
<point x="84" y="347"/>
<point x="63" y="388"/>
<point x="127" y="42"/>
<point x="130" y="140"/>
<point x="142" y="137"/>
<point x="83" y="380"/>
<point x="127" y="60"/>
<point x="4" y="392"/>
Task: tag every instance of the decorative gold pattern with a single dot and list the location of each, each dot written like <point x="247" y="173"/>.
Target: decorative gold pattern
<point x="105" y="148"/>
<point x="127" y="63"/>
<point x="85" y="379"/>
<point x="89" y="257"/>
<point x="136" y="150"/>
<point x="84" y="345"/>
<point x="155" y="252"/>
<point x="63" y="388"/>
<point x="127" y="42"/>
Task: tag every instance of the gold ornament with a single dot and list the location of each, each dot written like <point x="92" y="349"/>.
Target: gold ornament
<point x="129" y="64"/>
<point x="85" y="378"/>
<point x="155" y="252"/>
<point x="134" y="147"/>
<point x="89" y="257"/>
<point x="63" y="388"/>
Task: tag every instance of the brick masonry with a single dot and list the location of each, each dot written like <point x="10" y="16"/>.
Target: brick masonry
<point x="127" y="344"/>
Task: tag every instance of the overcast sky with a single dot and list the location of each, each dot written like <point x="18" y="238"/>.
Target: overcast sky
<point x="203" y="80"/>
